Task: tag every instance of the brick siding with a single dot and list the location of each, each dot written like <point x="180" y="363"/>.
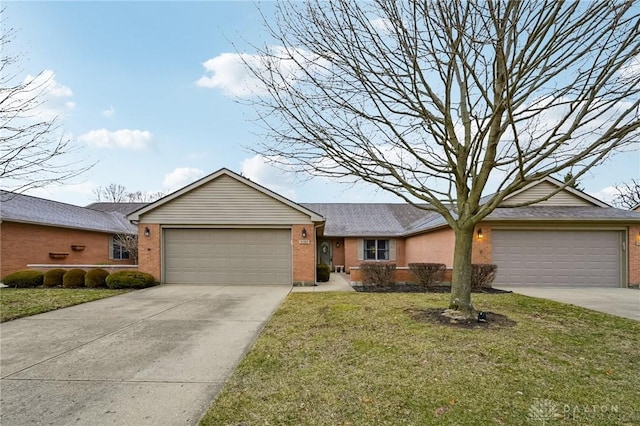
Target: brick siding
<point x="22" y="244"/>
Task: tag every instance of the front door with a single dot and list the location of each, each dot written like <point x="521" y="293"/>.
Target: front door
<point x="324" y="255"/>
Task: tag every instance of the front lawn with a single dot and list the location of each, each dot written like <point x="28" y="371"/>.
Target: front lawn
<point x="23" y="302"/>
<point x="367" y="359"/>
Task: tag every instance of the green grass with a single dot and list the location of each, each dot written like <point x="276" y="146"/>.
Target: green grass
<point x="23" y="302"/>
<point x="361" y="359"/>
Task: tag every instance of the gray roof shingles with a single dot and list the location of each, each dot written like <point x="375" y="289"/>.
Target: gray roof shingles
<point x="27" y="209"/>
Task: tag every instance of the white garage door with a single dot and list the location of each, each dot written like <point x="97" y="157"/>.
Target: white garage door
<point x="227" y="256"/>
<point x="563" y="258"/>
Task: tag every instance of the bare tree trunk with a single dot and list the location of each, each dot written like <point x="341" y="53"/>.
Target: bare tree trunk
<point x="461" y="277"/>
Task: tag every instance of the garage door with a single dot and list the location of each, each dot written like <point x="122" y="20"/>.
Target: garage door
<point x="563" y="258"/>
<point x="227" y="256"/>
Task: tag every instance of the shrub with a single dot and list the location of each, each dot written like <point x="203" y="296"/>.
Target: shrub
<point x="53" y="277"/>
<point x="482" y="275"/>
<point x="428" y="274"/>
<point x="96" y="278"/>
<point x="24" y="279"/>
<point x="378" y="274"/>
<point x="73" y="278"/>
<point x="130" y="279"/>
<point x="323" y="272"/>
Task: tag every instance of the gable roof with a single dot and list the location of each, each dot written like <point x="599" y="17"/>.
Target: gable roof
<point x="38" y="211"/>
<point x="135" y="216"/>
<point x="558" y="184"/>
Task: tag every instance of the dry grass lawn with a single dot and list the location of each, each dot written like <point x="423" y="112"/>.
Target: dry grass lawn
<point x="366" y="359"/>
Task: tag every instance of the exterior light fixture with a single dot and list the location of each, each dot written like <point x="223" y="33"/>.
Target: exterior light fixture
<point x="337" y="243"/>
<point x="147" y="232"/>
<point x="480" y="234"/>
<point x="304" y="232"/>
<point x="482" y="317"/>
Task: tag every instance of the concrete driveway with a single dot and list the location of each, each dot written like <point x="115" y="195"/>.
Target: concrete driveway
<point x="157" y="356"/>
<point x="623" y="302"/>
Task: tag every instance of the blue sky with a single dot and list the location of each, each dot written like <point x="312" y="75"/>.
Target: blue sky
<point x="126" y="86"/>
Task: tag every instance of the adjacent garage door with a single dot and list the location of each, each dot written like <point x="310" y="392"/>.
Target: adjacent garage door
<point x="563" y="258"/>
<point x="227" y="256"/>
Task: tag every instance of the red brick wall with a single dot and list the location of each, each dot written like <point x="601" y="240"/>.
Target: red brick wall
<point x="149" y="256"/>
<point x="434" y="247"/>
<point x="304" y="255"/>
<point x="22" y="244"/>
<point x="482" y="250"/>
<point x="634" y="255"/>
<point x="338" y="252"/>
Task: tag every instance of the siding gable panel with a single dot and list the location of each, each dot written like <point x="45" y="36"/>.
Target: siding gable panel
<point x="562" y="198"/>
<point x="224" y="201"/>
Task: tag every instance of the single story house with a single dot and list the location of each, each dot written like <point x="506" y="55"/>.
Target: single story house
<point x="38" y="231"/>
<point x="226" y="229"/>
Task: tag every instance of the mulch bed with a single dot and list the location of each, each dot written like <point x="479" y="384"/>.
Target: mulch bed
<point x="434" y="316"/>
<point x="399" y="288"/>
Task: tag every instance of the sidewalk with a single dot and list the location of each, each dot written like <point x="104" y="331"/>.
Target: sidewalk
<point x="337" y="282"/>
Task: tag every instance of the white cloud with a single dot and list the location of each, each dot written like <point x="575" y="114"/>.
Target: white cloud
<point x="606" y="194"/>
<point x="70" y="105"/>
<point x="46" y="80"/>
<point x="258" y="169"/>
<point x="108" y="112"/>
<point x="42" y="97"/>
<point x="181" y="176"/>
<point x="123" y="138"/>
<point x="232" y="73"/>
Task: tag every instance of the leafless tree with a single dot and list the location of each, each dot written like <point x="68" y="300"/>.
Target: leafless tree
<point x="128" y="242"/>
<point x="117" y="193"/>
<point x="444" y="101"/>
<point x="34" y="151"/>
<point x="628" y="196"/>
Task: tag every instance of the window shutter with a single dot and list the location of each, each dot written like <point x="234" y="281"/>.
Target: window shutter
<point x="360" y="249"/>
<point x="392" y="250"/>
<point x="111" y="248"/>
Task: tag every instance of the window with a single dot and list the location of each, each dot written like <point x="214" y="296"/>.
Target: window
<point x="376" y="249"/>
<point x="118" y="252"/>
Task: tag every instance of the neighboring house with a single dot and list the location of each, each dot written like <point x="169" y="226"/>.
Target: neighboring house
<point x="38" y="231"/>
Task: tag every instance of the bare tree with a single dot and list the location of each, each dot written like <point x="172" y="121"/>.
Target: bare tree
<point x="628" y="196"/>
<point x="117" y="193"/>
<point x="444" y="101"/>
<point x="34" y="151"/>
<point x="129" y="243"/>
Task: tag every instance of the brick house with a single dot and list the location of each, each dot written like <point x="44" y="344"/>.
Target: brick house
<point x="226" y="229"/>
<point x="38" y="231"/>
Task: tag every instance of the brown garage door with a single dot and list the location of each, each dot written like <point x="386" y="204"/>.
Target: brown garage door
<point x="227" y="256"/>
<point x="563" y="258"/>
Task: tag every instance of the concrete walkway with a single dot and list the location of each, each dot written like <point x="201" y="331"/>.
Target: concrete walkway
<point x="337" y="282"/>
<point x="152" y="357"/>
<point x="623" y="302"/>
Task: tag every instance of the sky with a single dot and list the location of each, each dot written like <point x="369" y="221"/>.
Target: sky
<point x="145" y="90"/>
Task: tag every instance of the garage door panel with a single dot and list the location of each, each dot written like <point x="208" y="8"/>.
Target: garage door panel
<point x="566" y="258"/>
<point x="227" y="256"/>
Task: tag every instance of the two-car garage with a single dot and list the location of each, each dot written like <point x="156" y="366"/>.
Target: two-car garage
<point x="559" y="257"/>
<point x="227" y="256"/>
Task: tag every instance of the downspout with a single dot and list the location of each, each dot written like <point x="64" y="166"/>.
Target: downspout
<point x="315" y="253"/>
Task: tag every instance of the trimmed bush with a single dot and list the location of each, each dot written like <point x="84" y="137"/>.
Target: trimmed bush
<point x="428" y="274"/>
<point x="482" y="275"/>
<point x="130" y="279"/>
<point x="378" y="274"/>
<point x="24" y="279"/>
<point x="73" y="278"/>
<point x="96" y="278"/>
<point x="323" y="272"/>
<point x="53" y="277"/>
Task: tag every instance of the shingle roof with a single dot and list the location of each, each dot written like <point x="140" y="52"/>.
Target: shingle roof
<point x="562" y="213"/>
<point x="27" y="209"/>
<point x="122" y="208"/>
<point x="382" y="220"/>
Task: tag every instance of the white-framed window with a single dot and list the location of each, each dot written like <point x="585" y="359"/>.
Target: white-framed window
<point x="117" y="251"/>
<point x="376" y="249"/>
